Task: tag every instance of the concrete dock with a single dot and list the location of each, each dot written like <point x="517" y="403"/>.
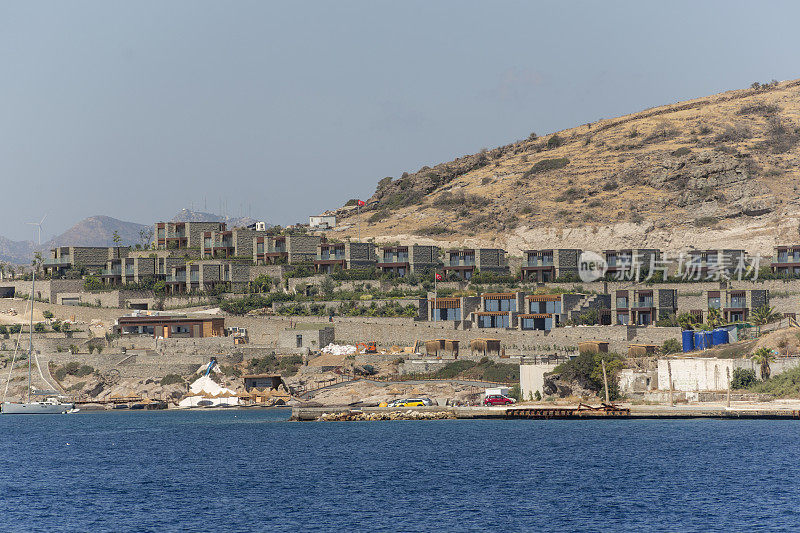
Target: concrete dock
<point x="538" y="411"/>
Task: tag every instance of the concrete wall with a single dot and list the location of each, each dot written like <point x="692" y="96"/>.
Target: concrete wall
<point x="711" y="374"/>
<point x="531" y="378"/>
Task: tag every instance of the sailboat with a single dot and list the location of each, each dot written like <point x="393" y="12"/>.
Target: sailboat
<point x="49" y="406"/>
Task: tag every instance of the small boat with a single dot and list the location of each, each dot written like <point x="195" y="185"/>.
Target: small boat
<point x="49" y="406"/>
<point x="52" y="405"/>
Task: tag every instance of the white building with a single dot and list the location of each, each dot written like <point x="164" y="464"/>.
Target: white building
<point x="322" y="221"/>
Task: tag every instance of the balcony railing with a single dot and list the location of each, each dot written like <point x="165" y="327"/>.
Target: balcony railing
<point x="739" y="301"/>
<point x="644" y="302"/>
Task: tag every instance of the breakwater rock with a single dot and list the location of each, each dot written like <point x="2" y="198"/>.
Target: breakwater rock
<point x="357" y="416"/>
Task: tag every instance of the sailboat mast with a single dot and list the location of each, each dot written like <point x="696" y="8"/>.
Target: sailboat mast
<point x="30" y="354"/>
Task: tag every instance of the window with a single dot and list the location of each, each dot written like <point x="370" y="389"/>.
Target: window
<point x="299" y="341"/>
<point x="622" y="319"/>
<point x="713" y="302"/>
<point x="643" y="319"/>
<point x="622" y="302"/>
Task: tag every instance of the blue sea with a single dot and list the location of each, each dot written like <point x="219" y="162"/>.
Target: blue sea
<point x="252" y="470"/>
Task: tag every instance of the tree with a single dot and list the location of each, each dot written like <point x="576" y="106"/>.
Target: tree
<point x="117" y="239"/>
<point x="763" y="356"/>
<point x="37" y="261"/>
<point x="763" y="315"/>
<point x="145" y="236"/>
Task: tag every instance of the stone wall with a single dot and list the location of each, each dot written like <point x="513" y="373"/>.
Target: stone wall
<point x="302" y="248"/>
<point x="405" y="332"/>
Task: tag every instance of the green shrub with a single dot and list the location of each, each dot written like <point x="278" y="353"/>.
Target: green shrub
<point x="93" y="283"/>
<point x="682" y="151"/>
<point x="743" y="378"/>
<point x="377" y="216"/>
<point x="571" y="194"/>
<point x="449" y="200"/>
<point x="47" y="314"/>
<point x="39" y="327"/>
<point x="587" y="371"/>
<point x="171" y="379"/>
<point x="671" y="346"/>
<point x="3" y="330"/>
<point x="554" y="142"/>
<point x="546" y="164"/>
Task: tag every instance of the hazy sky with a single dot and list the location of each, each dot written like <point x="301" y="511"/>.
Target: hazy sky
<point x="138" y="109"/>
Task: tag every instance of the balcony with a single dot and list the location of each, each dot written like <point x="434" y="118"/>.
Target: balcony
<point x="738" y="302"/>
<point x="57" y="261"/>
<point x="644" y="303"/>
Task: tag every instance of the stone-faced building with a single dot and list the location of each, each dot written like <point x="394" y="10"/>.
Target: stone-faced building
<point x="225" y="244"/>
<point x="465" y="262"/>
<point x="734" y="305"/>
<point x="91" y="259"/>
<point x="642" y="307"/>
<point x="285" y="249"/>
<point x="542" y="312"/>
<point x="498" y="310"/>
<point x="631" y="263"/>
<point x="344" y="255"/>
<point x="127" y="270"/>
<point x="452" y="309"/>
<point x="786" y="261"/>
<point x="544" y="266"/>
<point x="198" y="276"/>
<point x="712" y="264"/>
<point x="400" y="260"/>
<point x="183" y="235"/>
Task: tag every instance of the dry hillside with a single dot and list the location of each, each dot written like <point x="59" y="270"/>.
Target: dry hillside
<point x="711" y="172"/>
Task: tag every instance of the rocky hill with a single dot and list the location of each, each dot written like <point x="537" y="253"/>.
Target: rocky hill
<point x="187" y="215"/>
<point x="711" y="172"/>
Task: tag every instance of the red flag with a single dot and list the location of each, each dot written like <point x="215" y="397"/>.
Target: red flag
<point x="361" y="203"/>
<point x="439" y="277"/>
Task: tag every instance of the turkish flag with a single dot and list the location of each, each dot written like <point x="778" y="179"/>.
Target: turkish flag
<point x="361" y="202"/>
<point x="439" y="277"/>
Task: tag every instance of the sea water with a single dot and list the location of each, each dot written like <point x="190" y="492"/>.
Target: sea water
<point x="252" y="470"/>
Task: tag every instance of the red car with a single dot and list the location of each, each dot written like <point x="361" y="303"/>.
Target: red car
<point x="497" y="399"/>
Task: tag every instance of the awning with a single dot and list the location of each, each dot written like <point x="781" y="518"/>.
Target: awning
<point x="543" y="298"/>
<point x="498" y="295"/>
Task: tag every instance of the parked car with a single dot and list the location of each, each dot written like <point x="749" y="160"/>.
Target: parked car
<point x="498" y="399"/>
<point x="414" y="402"/>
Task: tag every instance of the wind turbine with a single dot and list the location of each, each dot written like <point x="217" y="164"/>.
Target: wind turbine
<point x="39" y="226"/>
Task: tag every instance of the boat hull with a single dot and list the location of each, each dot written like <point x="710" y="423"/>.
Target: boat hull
<point x="35" y="408"/>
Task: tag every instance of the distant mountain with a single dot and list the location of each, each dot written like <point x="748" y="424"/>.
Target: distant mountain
<point x="16" y="252"/>
<point x="98" y="231"/>
<point x="187" y="215"/>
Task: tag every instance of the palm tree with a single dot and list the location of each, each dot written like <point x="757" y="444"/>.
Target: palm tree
<point x="762" y="315"/>
<point x="714" y="317"/>
<point x="763" y="356"/>
<point x="686" y="321"/>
